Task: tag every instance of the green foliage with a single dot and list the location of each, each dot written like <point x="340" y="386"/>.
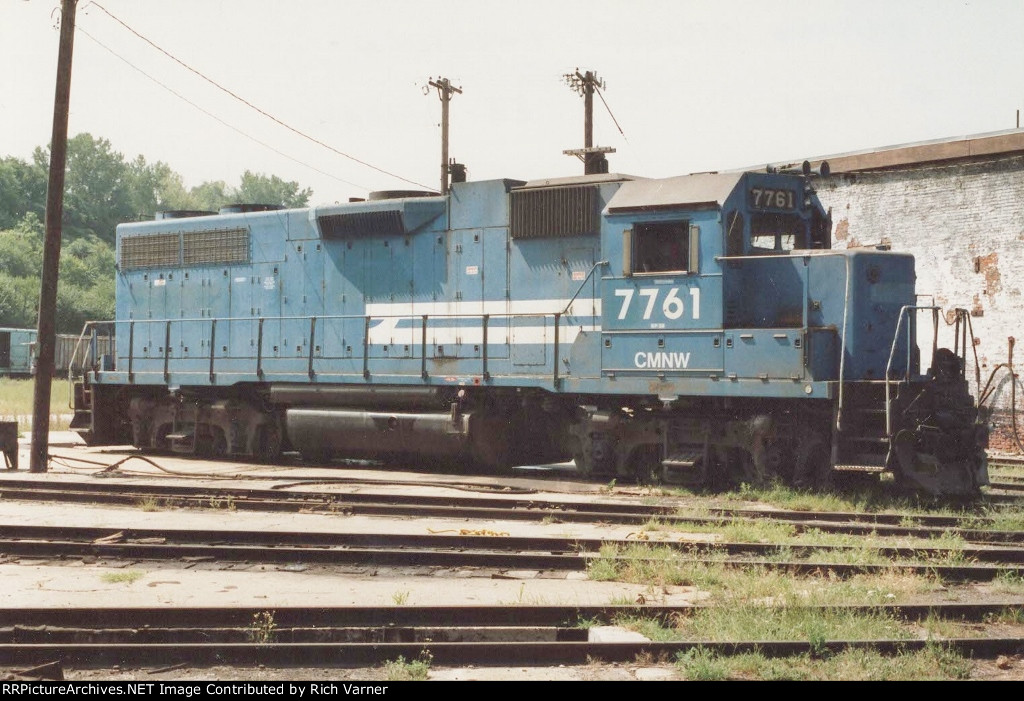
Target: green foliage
<point x="257" y="187"/>
<point x="855" y="664"/>
<point x="22" y="191"/>
<point x="17" y="399"/>
<point x="122" y="577"/>
<point x="102" y="189"/>
<point x="400" y="670"/>
<point x="700" y="664"/>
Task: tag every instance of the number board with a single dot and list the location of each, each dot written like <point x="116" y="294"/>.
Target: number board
<point x="771" y="198"/>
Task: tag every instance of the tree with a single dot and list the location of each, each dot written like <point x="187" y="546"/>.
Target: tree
<point x="263" y="189"/>
<point x="103" y="189"/>
<point x="22" y="191"/>
<point x="100" y="188"/>
<point x="21" y="248"/>
<point x="210" y="196"/>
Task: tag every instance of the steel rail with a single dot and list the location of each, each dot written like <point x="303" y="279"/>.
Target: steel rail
<point x="459" y="541"/>
<point x="16" y="620"/>
<point x="493" y="509"/>
<point x="462" y="653"/>
<point x="427" y="558"/>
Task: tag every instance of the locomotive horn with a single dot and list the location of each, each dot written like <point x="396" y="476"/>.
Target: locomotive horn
<point x="823" y="169"/>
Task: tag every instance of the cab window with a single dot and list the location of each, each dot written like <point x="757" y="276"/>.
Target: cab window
<point x="661" y="247"/>
<point x="776" y="233"/>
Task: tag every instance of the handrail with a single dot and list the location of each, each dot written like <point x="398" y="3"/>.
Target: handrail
<point x="486" y="319"/>
<point x="89" y="329"/>
<point x="842" y="348"/>
<point x="583" y="284"/>
<point x="892" y="354"/>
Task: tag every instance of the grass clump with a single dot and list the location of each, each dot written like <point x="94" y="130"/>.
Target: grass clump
<point x="149" y="504"/>
<point x="261" y="631"/>
<point x="757" y="531"/>
<point x="815" y="625"/>
<point x="660" y="566"/>
<point x="702" y="665"/>
<point x="122" y="577"/>
<point x="648" y="564"/>
<point x="935" y="663"/>
<point x="402" y="670"/>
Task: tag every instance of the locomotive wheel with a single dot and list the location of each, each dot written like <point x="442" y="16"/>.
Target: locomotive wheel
<point x="644" y="464"/>
<point x="158" y="440"/>
<point x="813" y="468"/>
<point x="713" y="469"/>
<point x="269" y="441"/>
<point x="210" y="443"/>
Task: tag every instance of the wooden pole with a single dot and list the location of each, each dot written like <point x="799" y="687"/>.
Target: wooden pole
<point x="46" y="338"/>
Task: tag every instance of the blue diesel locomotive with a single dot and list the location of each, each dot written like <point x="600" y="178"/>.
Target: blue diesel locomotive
<point x="699" y="327"/>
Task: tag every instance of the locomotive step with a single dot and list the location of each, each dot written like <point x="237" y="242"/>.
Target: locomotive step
<point x="871" y="440"/>
<point x="873" y="460"/>
<point x="850" y="467"/>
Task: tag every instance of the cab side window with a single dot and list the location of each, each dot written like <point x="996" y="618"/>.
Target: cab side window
<point x="661" y="247"/>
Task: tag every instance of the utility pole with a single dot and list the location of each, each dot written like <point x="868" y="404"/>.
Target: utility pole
<point x="593" y="159"/>
<point x="444" y="91"/>
<point x="46" y="332"/>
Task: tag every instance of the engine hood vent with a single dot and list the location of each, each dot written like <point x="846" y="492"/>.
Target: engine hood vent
<point x="388" y="217"/>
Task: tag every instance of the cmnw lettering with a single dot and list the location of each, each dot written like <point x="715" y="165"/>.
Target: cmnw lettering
<point x="661" y="361"/>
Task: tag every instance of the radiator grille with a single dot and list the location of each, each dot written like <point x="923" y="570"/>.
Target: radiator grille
<point x="386" y="223"/>
<point x="220" y="246"/>
<point x="152" y="251"/>
<point x="554" y="212"/>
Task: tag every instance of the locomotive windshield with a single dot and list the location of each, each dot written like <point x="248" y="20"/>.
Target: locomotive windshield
<point x="776" y="233"/>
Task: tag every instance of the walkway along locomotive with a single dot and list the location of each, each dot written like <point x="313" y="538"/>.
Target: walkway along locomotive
<point x="699" y="324"/>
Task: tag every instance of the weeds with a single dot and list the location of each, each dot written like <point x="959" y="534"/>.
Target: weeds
<point x="122" y="577"/>
<point x="400" y="598"/>
<point x="702" y="665"/>
<point x="400" y="670"/>
<point x="227" y="503"/>
<point x="261" y="631"/>
<point x="936" y="662"/>
<point x="149" y="504"/>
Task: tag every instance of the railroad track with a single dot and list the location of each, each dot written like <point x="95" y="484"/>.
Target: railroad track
<point x="500" y="553"/>
<point x="481" y="507"/>
<point x="498" y="636"/>
<point x="478" y="635"/>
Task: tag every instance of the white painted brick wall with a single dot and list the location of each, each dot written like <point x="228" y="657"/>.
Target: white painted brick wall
<point x="964" y="223"/>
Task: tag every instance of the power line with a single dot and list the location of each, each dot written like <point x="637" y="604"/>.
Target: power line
<point x="605" y="103"/>
<point x="251" y="105"/>
<point x="213" y="116"/>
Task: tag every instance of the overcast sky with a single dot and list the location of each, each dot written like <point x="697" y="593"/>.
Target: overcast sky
<point x="694" y="85"/>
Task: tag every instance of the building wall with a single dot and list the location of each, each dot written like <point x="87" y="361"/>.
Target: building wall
<point x="964" y="222"/>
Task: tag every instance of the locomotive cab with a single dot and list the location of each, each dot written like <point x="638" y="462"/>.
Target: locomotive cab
<point x="772" y="356"/>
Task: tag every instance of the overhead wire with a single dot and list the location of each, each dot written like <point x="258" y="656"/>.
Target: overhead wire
<point x="213" y="116"/>
<point x="250" y="104"/>
<point x="605" y="103"/>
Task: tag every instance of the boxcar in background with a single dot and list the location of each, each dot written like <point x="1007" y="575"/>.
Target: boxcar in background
<point x="18" y="349"/>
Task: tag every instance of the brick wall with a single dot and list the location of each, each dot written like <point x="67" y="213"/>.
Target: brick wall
<point x="964" y="223"/>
